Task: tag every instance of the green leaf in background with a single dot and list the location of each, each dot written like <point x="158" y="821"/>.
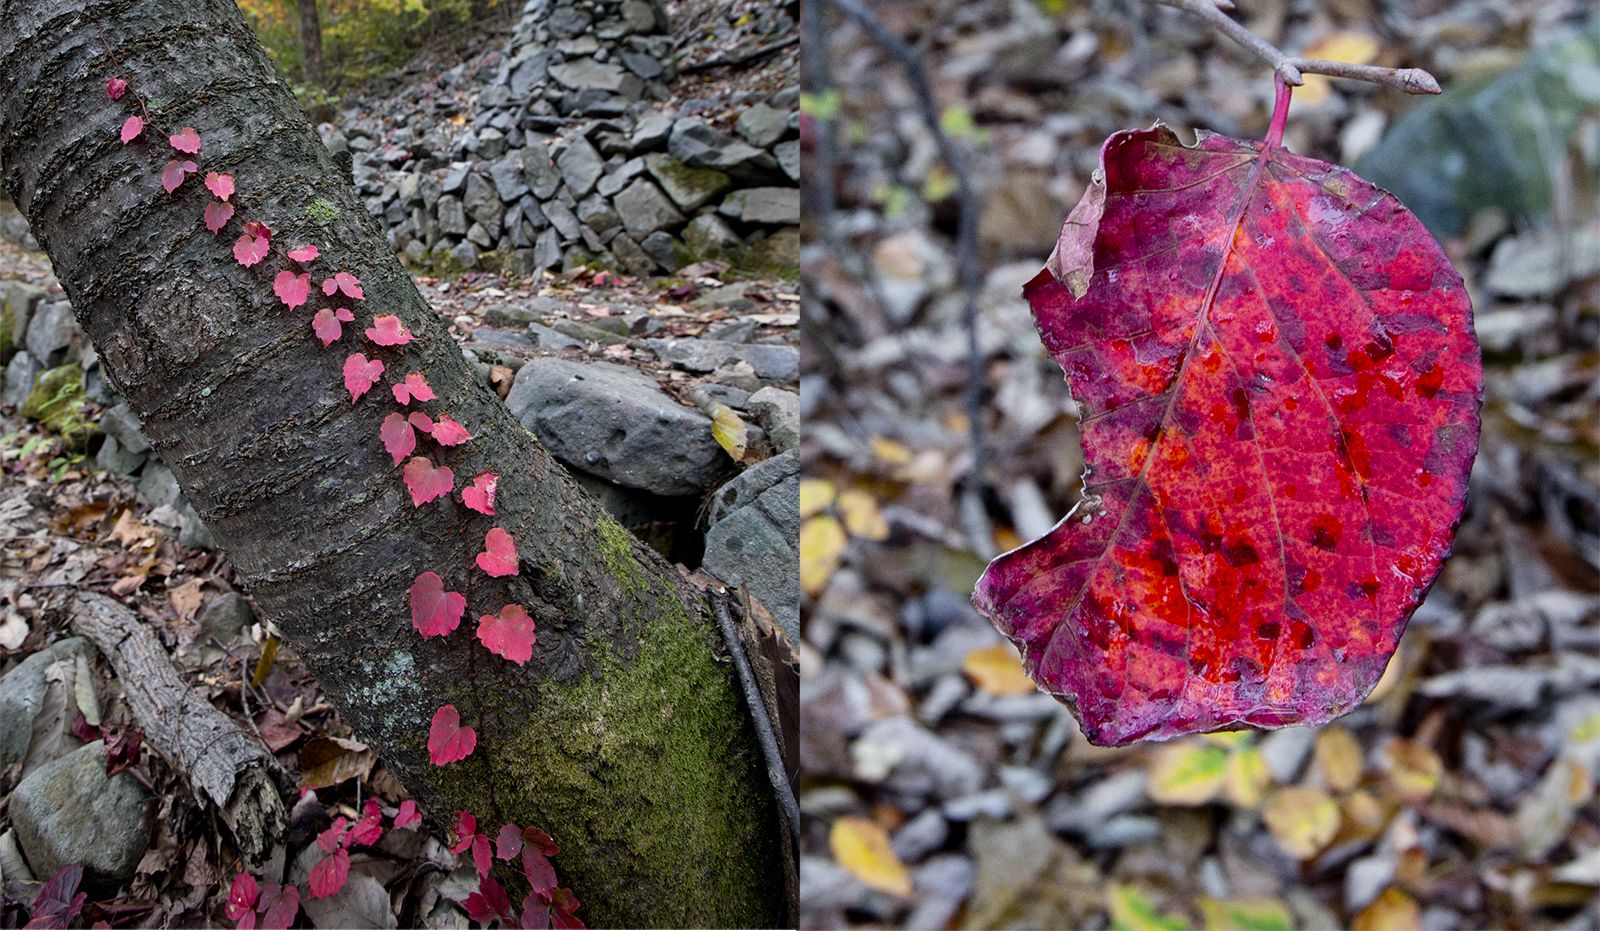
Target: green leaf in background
<point x="1251" y="914"/>
<point x="1492" y="143"/>
<point x="1132" y="910"/>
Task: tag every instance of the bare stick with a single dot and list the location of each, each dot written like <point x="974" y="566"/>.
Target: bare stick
<point x="1410" y="80"/>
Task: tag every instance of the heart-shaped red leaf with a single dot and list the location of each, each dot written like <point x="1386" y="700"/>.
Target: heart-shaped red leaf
<point x="426" y="482"/>
<point x="510" y="633"/>
<point x="398" y="437"/>
<point x="508" y="843"/>
<point x="242" y="895"/>
<point x="330" y="873"/>
<point x="370" y="828"/>
<point x="254" y="245"/>
<point x="1279" y="389"/>
<point x="186" y="140"/>
<point x="407" y="815"/>
<point x="448" y="739"/>
<point x="292" y="289"/>
<point x="173" y="173"/>
<point x="326" y="323"/>
<point x="464" y="832"/>
<point x="414" y="388"/>
<point x="480" y="494"/>
<point x="499" y="556"/>
<point x="489" y="903"/>
<point x="333" y="838"/>
<point x="304" y="254"/>
<point x="447" y="432"/>
<point x="219" y="184"/>
<point x="217" y="216"/>
<point x="360" y="374"/>
<point x="279" y="906"/>
<point x="345" y="282"/>
<point x="132" y="127"/>
<point x="434" y="611"/>
<point x="387" y="330"/>
<point x="421" y="421"/>
<point x="115" y="88"/>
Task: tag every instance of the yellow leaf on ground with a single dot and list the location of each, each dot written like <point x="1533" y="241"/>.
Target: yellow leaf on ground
<point x="1248" y="777"/>
<point x="822" y="543"/>
<point x="997" y="668"/>
<point x="1132" y="910"/>
<point x="1189" y="772"/>
<point x="1302" y="820"/>
<point x="889" y="452"/>
<point x="862" y="847"/>
<point x="816" y="494"/>
<point x="1357" y="48"/>
<point x="1339" y="758"/>
<point x="861" y="515"/>
<point x="1393" y="910"/>
<point x="1256" y="913"/>
<point x="731" y="433"/>
<point x="1414" y="769"/>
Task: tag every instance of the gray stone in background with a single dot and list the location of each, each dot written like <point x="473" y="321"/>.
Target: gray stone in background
<point x="772" y="363"/>
<point x="754" y="537"/>
<point x="121" y="422"/>
<point x="644" y="209"/>
<point x="580" y="166"/>
<point x="507" y="175"/>
<point x="788" y="154"/>
<point x="695" y="143"/>
<point x="452" y="216"/>
<point x="225" y="615"/>
<point x="616" y="423"/>
<point x="652" y="130"/>
<point x="540" y="171"/>
<point x="778" y="413"/>
<point x="774" y="205"/>
<point x="16" y="309"/>
<point x="52" y="332"/>
<point x="21" y="372"/>
<point x="688" y="187"/>
<point x="708" y="235"/>
<point x="114" y="457"/>
<point x="761" y="125"/>
<point x="22" y="690"/>
<point x="67" y="811"/>
<point x="157" y="486"/>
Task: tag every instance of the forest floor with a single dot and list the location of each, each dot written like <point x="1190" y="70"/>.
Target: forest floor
<point x="941" y="789"/>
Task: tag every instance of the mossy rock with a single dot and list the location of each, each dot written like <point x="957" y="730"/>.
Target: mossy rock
<point x="777" y="256"/>
<point x="57" y="402"/>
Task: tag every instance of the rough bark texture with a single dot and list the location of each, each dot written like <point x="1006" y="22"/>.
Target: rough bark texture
<point x="625" y="737"/>
<point x="224" y="766"/>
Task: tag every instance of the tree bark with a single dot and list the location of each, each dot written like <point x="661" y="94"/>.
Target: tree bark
<point x="625" y="736"/>
<point x="311" y="42"/>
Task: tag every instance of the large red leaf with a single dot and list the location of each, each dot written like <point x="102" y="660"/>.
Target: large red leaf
<point x="1279" y="387"/>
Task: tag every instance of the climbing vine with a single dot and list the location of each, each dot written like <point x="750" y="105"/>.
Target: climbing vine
<point x="508" y="633"/>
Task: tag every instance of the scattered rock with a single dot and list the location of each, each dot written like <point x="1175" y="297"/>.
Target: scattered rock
<point x="755" y="523"/>
<point x="644" y="209"/>
<point x="773" y="363"/>
<point x="22" y="691"/>
<point x="67" y="811"/>
<point x="52" y="332"/>
<point x="771" y="205"/>
<point x="778" y="412"/>
<point x="225" y="615"/>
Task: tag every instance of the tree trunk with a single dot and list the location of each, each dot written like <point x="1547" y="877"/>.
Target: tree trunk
<point x="311" y="42"/>
<point x="625" y="736"/>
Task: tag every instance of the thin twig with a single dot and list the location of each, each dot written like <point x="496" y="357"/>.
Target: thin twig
<point x="969" y="273"/>
<point x="1410" y="80"/>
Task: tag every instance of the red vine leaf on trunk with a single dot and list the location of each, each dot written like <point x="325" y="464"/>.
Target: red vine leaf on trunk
<point x="326" y="323"/>
<point x="447" y="432"/>
<point x="217" y="216"/>
<point x="508" y="843"/>
<point x="499" y="556"/>
<point x="397" y="436"/>
<point x="360" y="374"/>
<point x="132" y="128"/>
<point x="421" y="421"/>
<point x="407" y="815"/>
<point x="115" y="88"/>
<point x="292" y="289"/>
<point x="369" y="829"/>
<point x="254" y="245"/>
<point x="219" y="184"/>
<point x="427" y="482"/>
<point x="480" y="494"/>
<point x="434" y="611"/>
<point x="345" y="282"/>
<point x="449" y="740"/>
<point x="464" y="831"/>
<point x="414" y="387"/>
<point x="305" y="254"/>
<point x="489" y="903"/>
<point x="186" y="140"/>
<point x="173" y="173"/>
<point x="510" y="633"/>
<point x="1279" y="387"/>
<point x="387" y="330"/>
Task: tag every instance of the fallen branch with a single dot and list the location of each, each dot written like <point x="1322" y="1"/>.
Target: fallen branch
<point x="223" y="764"/>
<point x="1410" y="80"/>
<point x="723" y="61"/>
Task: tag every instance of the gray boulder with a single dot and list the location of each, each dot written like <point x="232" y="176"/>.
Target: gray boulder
<point x="580" y="166"/>
<point x="761" y="125"/>
<point x="776" y="205"/>
<point x="778" y="412"/>
<point x="695" y="143"/>
<point x="16" y="309"/>
<point x="540" y="171"/>
<point x="21" y="372"/>
<point x="753" y="540"/>
<point x="616" y="423"/>
<point x="225" y="615"/>
<point x="52" y="332"/>
<point x="121" y="423"/>
<point x="688" y="187"/>
<point x="507" y="175"/>
<point x="644" y="209"/>
<point x="67" y="811"/>
<point x="788" y="154"/>
<point x="22" y="691"/>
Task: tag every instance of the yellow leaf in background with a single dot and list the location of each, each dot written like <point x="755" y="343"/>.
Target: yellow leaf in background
<point x="822" y="543"/>
<point x="1248" y="777"/>
<point x="730" y="432"/>
<point x="889" y="452"/>
<point x="862" y="847"/>
<point x="815" y="494"/>
<point x="1187" y="773"/>
<point x="1132" y="910"/>
<point x="1339" y="757"/>
<point x="1393" y="910"/>
<point x="1228" y="739"/>
<point x="1357" y="48"/>
<point x="861" y="515"/>
<point x="1414" y="769"/>
<point x="997" y="668"/>
<point x="1302" y="820"/>
<point x="269" y="656"/>
<point x="1256" y="913"/>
